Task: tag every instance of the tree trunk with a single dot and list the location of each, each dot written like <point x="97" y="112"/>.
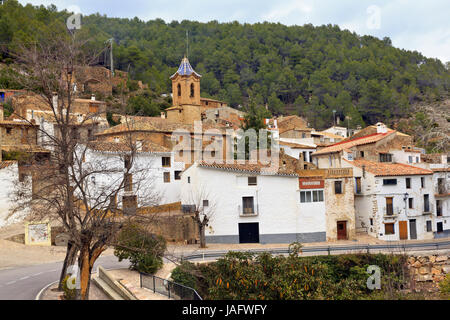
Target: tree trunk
<point x="68" y="261"/>
<point x="201" y="229"/>
<point x="85" y="273"/>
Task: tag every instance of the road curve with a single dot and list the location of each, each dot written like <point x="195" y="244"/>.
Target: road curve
<point x="24" y="283"/>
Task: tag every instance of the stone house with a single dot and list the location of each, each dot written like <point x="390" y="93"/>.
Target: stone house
<point x="336" y="189"/>
<point x="374" y="143"/>
<point x="394" y="201"/>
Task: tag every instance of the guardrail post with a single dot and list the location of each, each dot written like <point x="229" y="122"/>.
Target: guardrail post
<point x="203" y="256"/>
<point x="168" y="288"/>
<point x="328" y="250"/>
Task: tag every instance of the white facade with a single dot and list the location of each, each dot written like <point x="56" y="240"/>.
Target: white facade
<point x="149" y="183"/>
<point x="339" y="131"/>
<point x="278" y="215"/>
<point x="371" y="206"/>
<point x="9" y="184"/>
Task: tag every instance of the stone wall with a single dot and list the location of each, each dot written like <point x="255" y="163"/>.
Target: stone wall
<point x="427" y="271"/>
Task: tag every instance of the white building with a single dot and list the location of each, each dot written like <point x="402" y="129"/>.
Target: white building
<point x="155" y="175"/>
<point x="250" y="206"/>
<point x="10" y="182"/>
<point x="296" y="150"/>
<point x="394" y="201"/>
<point x="339" y="131"/>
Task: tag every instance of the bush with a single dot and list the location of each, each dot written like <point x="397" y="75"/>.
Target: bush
<point x="144" y="249"/>
<point x="184" y="274"/>
<point x="444" y="286"/>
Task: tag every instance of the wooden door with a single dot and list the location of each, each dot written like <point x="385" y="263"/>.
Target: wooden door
<point x="403" y="226"/>
<point x="342" y="230"/>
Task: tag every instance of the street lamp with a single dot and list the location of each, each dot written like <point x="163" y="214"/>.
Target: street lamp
<point x="334" y="117"/>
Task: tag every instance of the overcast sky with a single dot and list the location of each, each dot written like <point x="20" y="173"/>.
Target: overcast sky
<point x="413" y="25"/>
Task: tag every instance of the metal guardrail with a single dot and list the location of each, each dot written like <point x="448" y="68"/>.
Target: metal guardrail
<point x="328" y="249"/>
<point x="168" y="288"/>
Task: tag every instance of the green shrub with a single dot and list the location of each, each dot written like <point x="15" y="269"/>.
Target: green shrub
<point x="444" y="287"/>
<point x="184" y="274"/>
<point x="144" y="249"/>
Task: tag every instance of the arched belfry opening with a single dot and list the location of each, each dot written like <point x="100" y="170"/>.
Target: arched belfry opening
<point x="185" y="85"/>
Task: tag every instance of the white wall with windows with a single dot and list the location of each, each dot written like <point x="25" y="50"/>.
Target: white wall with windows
<point x="271" y="201"/>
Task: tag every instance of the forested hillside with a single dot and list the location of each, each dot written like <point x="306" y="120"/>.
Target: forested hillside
<point x="303" y="70"/>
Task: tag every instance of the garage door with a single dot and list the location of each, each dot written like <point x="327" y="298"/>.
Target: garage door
<point x="248" y="232"/>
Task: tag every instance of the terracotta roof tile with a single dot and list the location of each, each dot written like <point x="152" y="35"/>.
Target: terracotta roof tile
<point x="389" y="169"/>
<point x="346" y="144"/>
<point x="147" y="146"/>
<point x="6" y="164"/>
<point x="256" y="168"/>
<point x="295" y="145"/>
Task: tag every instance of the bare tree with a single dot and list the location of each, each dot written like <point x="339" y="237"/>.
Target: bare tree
<point x="92" y="194"/>
<point x="202" y="208"/>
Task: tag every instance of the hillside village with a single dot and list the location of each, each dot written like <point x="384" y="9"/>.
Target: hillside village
<point x="328" y="185"/>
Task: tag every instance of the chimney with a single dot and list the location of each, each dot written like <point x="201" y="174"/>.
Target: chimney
<point x="55" y="102"/>
<point x="381" y="127"/>
<point x="93" y="97"/>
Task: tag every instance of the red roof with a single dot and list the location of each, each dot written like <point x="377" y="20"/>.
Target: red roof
<point x="389" y="169"/>
<point x="346" y="144"/>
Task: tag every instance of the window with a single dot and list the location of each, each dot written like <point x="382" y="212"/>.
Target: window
<point x="371" y="221"/>
<point x="411" y="203"/>
<point x="192" y="90"/>
<point x="338" y="187"/>
<point x="177" y="175"/>
<point x="189" y="179"/>
<point x="317" y="195"/>
<point x="408" y="183"/>
<point x="438" y="208"/>
<point x="417" y="160"/>
<point x="426" y="203"/>
<point x="361" y="153"/>
<point x="358" y="184"/>
<point x="429" y="228"/>
<point x="422" y="182"/>
<point x="166" y="177"/>
<point x="389" y="206"/>
<point x="166" y="161"/>
<point x="311" y="196"/>
<point x="303" y="135"/>
<point x="252" y="181"/>
<point x="179" y="90"/>
<point x="247" y="205"/>
<point x="389" y="228"/>
<point x="8" y="130"/>
<point x="389" y="182"/>
<point x="410" y="159"/>
<point x="205" y="203"/>
<point x="385" y="157"/>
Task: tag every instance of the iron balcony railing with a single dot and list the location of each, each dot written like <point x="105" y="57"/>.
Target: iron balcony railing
<point x="168" y="288"/>
<point x="248" y="211"/>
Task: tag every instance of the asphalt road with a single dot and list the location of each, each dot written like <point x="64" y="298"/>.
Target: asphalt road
<point x="24" y="283"/>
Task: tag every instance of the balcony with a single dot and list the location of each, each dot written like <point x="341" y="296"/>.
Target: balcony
<point x="441" y="190"/>
<point x="391" y="212"/>
<point x="247" y="212"/>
